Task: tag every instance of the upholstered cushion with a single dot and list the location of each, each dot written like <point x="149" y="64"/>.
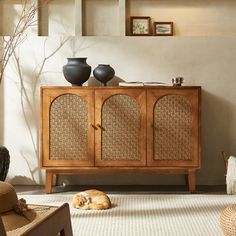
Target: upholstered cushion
<point x="8" y="197"/>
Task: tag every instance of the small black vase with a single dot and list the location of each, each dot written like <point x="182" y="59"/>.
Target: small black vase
<point x="4" y="162"/>
<point x="103" y="73"/>
<point x="77" y="71"/>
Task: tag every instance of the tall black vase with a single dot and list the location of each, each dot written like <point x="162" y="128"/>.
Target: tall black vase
<point x="77" y="71"/>
<point x="103" y="73"/>
<point x="4" y="162"/>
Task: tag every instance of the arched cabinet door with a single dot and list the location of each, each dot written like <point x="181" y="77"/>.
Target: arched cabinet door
<point x="173" y="127"/>
<point x="67" y="133"/>
<point x="120" y="116"/>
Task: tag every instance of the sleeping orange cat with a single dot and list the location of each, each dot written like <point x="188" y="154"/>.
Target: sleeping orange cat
<point x="91" y="200"/>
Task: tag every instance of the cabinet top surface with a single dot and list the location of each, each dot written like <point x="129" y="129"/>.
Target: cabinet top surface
<point x="120" y="87"/>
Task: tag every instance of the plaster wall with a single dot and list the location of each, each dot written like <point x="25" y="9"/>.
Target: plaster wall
<point x="101" y="18"/>
<point x="10" y="12"/>
<point x="191" y="18"/>
<point x="204" y="61"/>
<point x="58" y="24"/>
<point x="207" y="60"/>
<point x="1" y="97"/>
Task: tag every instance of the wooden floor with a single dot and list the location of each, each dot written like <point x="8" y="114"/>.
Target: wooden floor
<point x="152" y="189"/>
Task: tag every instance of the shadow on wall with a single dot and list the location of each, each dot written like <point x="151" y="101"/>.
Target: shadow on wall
<point x="218" y="133"/>
<point x="121" y="179"/>
<point x="1" y="114"/>
<point x="1" y="86"/>
<point x="114" y="82"/>
<point x="19" y="180"/>
<point x="1" y="23"/>
<point x="9" y="11"/>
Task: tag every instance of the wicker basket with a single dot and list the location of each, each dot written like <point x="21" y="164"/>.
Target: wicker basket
<point x="4" y="162"/>
<point x="228" y="220"/>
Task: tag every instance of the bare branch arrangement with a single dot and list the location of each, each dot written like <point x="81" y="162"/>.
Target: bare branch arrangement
<point x="27" y="19"/>
<point x="28" y="100"/>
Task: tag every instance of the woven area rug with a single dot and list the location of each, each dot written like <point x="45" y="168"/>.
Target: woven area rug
<point x="146" y="214"/>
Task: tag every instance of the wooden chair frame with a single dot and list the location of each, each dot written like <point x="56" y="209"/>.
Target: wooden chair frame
<point x="57" y="223"/>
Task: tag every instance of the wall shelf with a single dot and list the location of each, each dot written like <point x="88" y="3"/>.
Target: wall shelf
<point x="54" y="18"/>
<point x="100" y="17"/>
<point x="112" y="17"/>
<point x="191" y="18"/>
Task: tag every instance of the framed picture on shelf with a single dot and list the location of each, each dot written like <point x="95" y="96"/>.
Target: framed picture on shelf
<point x="140" y="25"/>
<point x="163" y="28"/>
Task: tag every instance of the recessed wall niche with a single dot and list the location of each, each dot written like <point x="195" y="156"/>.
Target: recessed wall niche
<point x="190" y="17"/>
<point x="9" y="16"/>
<point x="112" y="17"/>
<point x="100" y="17"/>
<point x="57" y="18"/>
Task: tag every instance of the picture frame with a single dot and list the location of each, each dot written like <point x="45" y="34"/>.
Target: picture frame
<point x="163" y="28"/>
<point x="140" y="25"/>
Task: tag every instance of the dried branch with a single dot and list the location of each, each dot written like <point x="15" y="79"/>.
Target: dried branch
<point x="23" y="93"/>
<point x="40" y="70"/>
<point x="25" y="97"/>
<point x="26" y="21"/>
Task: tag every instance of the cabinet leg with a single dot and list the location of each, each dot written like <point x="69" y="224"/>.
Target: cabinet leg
<point x="186" y="179"/>
<point x="191" y="181"/>
<point x="54" y="179"/>
<point x="49" y="180"/>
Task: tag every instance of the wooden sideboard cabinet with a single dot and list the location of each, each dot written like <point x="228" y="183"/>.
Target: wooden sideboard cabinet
<point x="97" y="130"/>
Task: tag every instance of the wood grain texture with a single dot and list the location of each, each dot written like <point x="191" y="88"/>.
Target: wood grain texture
<point x="192" y="180"/>
<point x="48" y="96"/>
<point x="183" y="144"/>
<point x="49" y="181"/>
<point x="136" y="105"/>
<point x="122" y="140"/>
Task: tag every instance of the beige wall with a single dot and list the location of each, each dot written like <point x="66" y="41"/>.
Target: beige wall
<point x="10" y="12"/>
<point x="105" y="17"/>
<point x="100" y="18"/>
<point x="59" y="25"/>
<point x="204" y="61"/>
<point x="191" y="18"/>
<point x="1" y="95"/>
<point x="208" y="61"/>
<point x="1" y="115"/>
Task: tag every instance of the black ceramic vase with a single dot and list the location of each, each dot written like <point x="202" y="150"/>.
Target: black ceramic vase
<point x="77" y="71"/>
<point x="103" y="73"/>
<point x="4" y="162"/>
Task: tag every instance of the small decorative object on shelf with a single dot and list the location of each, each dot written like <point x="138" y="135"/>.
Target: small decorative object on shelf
<point x="77" y="71"/>
<point x="163" y="28"/>
<point x="140" y="25"/>
<point x="177" y="81"/>
<point x="103" y="73"/>
<point x="4" y="162"/>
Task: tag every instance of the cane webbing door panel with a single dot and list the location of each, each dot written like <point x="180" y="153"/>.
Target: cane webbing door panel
<point x="173" y="127"/>
<point x="121" y="118"/>
<point x="67" y="131"/>
<point x="99" y="130"/>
